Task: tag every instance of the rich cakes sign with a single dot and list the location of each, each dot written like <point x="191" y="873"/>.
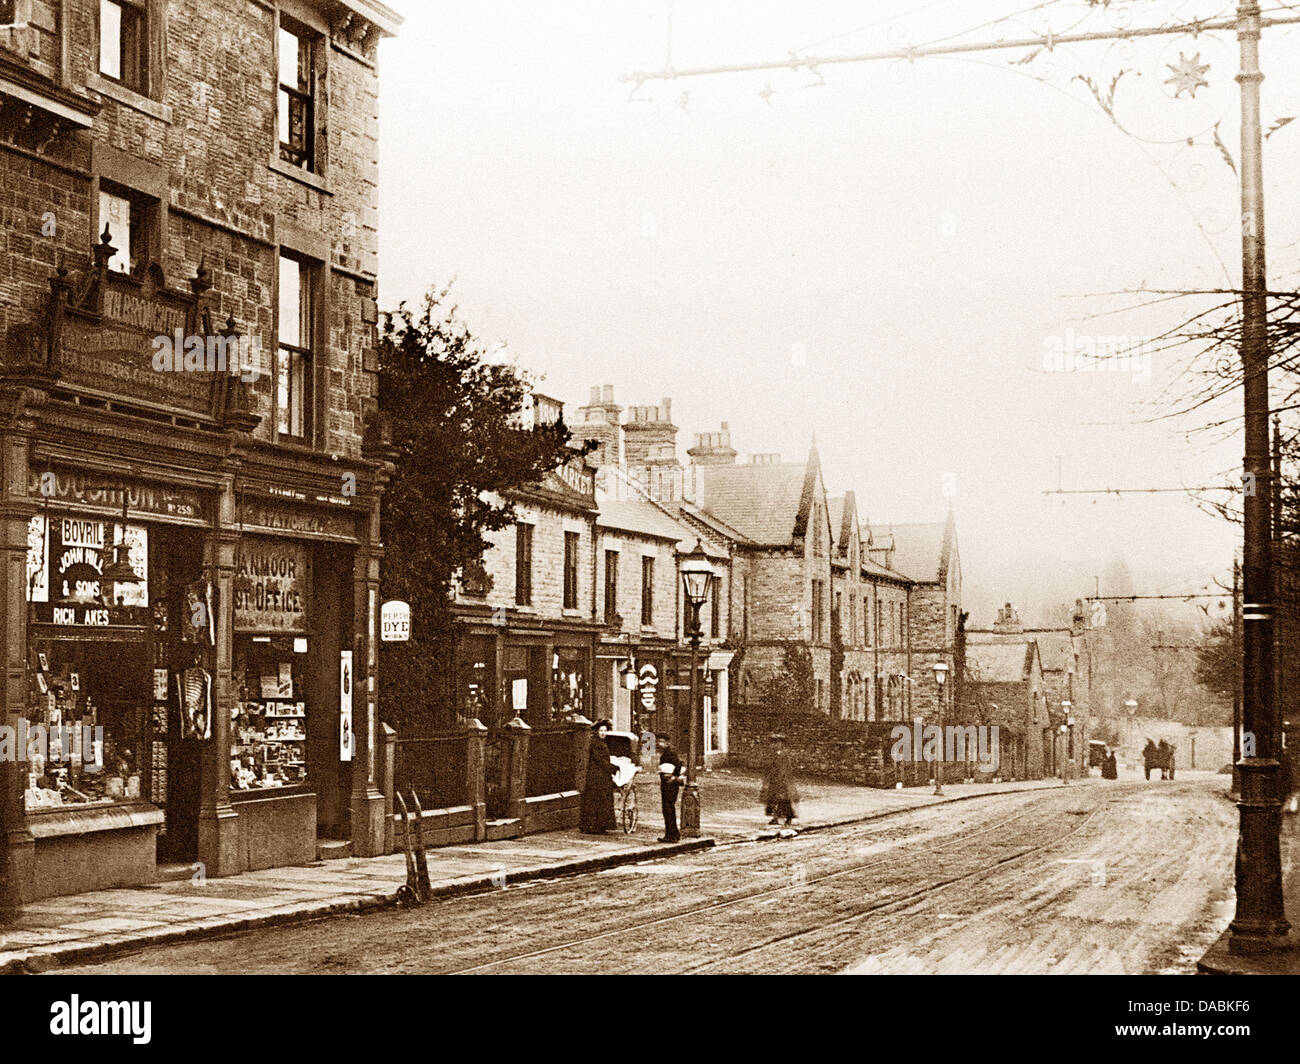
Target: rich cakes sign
<point x="272" y="585"/>
<point x="65" y="568"/>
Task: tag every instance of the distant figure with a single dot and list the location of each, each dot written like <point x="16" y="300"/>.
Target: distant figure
<point x="1166" y="753"/>
<point x="1150" y="758"/>
<point x="779" y="793"/>
<point x="1109" y="767"/>
<point x="596" y="815"/>
<point x="671" y="768"/>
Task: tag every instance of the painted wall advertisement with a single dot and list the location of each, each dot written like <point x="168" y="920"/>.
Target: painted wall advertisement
<point x="66" y="557"/>
<point x="272" y="585"/>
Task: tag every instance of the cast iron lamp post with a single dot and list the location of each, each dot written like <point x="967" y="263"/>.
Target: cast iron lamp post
<point x="697" y="579"/>
<point x="940" y="675"/>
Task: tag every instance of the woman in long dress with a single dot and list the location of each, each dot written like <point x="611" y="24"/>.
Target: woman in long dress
<point x="597" y="811"/>
<point x="779" y="792"/>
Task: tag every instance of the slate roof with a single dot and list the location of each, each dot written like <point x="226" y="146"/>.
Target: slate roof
<point x="642" y="518"/>
<point x="764" y="502"/>
<point x="1055" y="646"/>
<point x="920" y="550"/>
<point x="1001" y="662"/>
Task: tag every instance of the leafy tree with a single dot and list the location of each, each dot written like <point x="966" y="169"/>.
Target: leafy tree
<point x="460" y="446"/>
<point x="791" y="692"/>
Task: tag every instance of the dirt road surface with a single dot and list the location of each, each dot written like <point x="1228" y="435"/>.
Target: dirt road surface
<point x="1093" y="877"/>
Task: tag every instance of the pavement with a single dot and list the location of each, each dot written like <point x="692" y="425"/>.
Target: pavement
<point x="1219" y="960"/>
<point x="98" y="924"/>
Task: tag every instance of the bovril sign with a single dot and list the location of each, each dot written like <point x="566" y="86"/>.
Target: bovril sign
<point x="395" y="622"/>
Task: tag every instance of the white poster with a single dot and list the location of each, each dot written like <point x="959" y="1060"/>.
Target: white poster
<point x="346" y="742"/>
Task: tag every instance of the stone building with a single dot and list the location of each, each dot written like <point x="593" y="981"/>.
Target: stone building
<point x="192" y="457"/>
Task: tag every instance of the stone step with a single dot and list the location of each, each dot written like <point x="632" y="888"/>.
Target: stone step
<point x="508" y="828"/>
<point x="332" y="849"/>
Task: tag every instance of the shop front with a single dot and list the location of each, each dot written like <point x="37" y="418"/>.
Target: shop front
<point x="184" y="609"/>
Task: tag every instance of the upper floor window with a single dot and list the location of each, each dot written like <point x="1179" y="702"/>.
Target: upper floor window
<point x="523" y="565"/>
<point x="818" y="594"/>
<point x="297" y="95"/>
<point x="715" y="608"/>
<point x="571" y="540"/>
<point x="128" y="219"/>
<point x="647" y="592"/>
<point x="124" y="43"/>
<point x="611" y="586"/>
<point x="294" y="358"/>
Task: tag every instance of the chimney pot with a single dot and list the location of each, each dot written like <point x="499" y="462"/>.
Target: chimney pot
<point x="595" y="394"/>
<point x="609" y="393"/>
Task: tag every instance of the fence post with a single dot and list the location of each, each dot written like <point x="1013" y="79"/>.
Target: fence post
<point x="517" y="738"/>
<point x="581" y="744"/>
<point x="475" y="783"/>
<point x="387" y="763"/>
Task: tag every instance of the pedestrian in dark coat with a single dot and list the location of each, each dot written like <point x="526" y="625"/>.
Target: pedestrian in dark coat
<point x="597" y="812"/>
<point x="671" y="768"/>
<point x="779" y="792"/>
<point x="1110" y="767"/>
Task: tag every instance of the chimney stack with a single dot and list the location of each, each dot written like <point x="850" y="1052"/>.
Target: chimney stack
<point x="713" y="448"/>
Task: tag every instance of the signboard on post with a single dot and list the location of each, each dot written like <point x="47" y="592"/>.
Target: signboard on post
<point x="395" y="622"/>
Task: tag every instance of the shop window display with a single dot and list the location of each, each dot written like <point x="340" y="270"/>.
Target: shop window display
<point x="269" y="740"/>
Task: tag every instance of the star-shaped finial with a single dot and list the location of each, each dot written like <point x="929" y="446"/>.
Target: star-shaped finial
<point x="1188" y="75"/>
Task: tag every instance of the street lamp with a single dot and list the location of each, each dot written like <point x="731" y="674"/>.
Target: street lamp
<point x="697" y="578"/>
<point x="940" y="675"/>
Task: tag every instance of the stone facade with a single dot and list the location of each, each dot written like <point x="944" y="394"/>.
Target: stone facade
<point x="155" y="191"/>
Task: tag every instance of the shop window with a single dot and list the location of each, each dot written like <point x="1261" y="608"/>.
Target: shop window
<point x="294" y="361"/>
<point x="296" y="105"/>
<point x="523" y="564"/>
<point x="268" y="743"/>
<point x="124" y="43"/>
<point x="611" y="586"/>
<point x="131" y="221"/>
<point x="647" y="592"/>
<point x="569" y="683"/>
<point x="571" y="541"/>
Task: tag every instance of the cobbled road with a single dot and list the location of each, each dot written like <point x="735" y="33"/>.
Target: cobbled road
<point x="1096" y="877"/>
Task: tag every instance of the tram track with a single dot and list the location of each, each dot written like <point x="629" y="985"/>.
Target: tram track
<point x="886" y="906"/>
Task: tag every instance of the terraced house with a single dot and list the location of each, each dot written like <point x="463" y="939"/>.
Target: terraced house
<point x="192" y="457"/>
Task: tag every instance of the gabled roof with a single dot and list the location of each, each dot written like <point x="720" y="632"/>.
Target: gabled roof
<point x="1001" y="662"/>
<point x="842" y="511"/>
<point x="768" y="504"/>
<point x="1055" y="645"/>
<point x="924" y="551"/>
<point x="717" y="527"/>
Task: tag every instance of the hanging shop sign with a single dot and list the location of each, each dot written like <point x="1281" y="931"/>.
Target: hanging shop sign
<point x="66" y="556"/>
<point x="272" y="585"/>
<point x="648" y="686"/>
<point x="347" y="740"/>
<point x="395" y="622"/>
<point x="92" y="491"/>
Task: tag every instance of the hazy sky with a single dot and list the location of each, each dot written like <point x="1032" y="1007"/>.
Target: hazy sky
<point x="883" y="259"/>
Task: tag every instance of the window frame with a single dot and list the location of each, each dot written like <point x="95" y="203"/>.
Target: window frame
<point x="647" y="590"/>
<point x="572" y="543"/>
<point x="309" y="291"/>
<point x="138" y="78"/>
<point x="144" y="225"/>
<point x="523" y="563"/>
<point x="611" y="586"/>
<point x="306" y="157"/>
